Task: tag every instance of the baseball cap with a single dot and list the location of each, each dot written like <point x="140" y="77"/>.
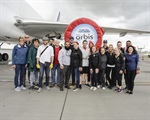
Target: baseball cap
<point x="104" y="41"/>
<point x="45" y="38"/>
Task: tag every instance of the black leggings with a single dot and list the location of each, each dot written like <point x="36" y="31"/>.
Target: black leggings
<point x="130" y="77"/>
<point x="118" y="77"/>
<point x="111" y="80"/>
<point x="94" y="78"/>
<point x="101" y="77"/>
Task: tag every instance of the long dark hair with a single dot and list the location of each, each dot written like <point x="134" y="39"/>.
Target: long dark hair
<point x="134" y="50"/>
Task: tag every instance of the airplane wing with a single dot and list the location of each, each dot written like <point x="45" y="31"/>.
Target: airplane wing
<point x="39" y="29"/>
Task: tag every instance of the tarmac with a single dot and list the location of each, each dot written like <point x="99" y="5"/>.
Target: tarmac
<point x="83" y="104"/>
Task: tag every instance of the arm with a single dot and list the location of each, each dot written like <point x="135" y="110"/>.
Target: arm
<point x="80" y="59"/>
<point x="60" y="55"/>
<point x="13" y="57"/>
<point x="38" y="56"/>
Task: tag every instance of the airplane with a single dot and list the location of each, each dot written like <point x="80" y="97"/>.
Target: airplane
<point x="16" y="22"/>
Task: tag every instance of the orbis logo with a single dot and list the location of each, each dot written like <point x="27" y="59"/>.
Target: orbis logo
<point x="84" y="32"/>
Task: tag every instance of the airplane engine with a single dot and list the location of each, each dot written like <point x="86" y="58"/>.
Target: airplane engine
<point x="5" y="57"/>
<point x="0" y="57"/>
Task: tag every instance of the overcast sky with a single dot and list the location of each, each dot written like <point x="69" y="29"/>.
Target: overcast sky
<point x="128" y="14"/>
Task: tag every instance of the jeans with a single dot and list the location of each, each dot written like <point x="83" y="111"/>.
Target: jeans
<point x="55" y="67"/>
<point x="20" y="69"/>
<point x="77" y="76"/>
<point x="43" y="68"/>
<point x="65" y="75"/>
<point x="34" y="77"/>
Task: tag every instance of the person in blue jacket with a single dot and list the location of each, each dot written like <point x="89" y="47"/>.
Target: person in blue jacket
<point x="132" y="67"/>
<point x="19" y="62"/>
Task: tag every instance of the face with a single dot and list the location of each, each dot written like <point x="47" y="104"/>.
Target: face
<point x="128" y="44"/>
<point x="84" y="44"/>
<point x="102" y="51"/>
<point x="130" y="50"/>
<point x="119" y="45"/>
<point x="75" y="45"/>
<point x="116" y="51"/>
<point x="45" y="42"/>
<point x="36" y="43"/>
<point x="56" y="42"/>
<point x="51" y="42"/>
<point x="27" y="38"/>
<point x="93" y="49"/>
<point x="110" y="48"/>
<point x="105" y="43"/>
<point x="90" y="45"/>
<point x="67" y="44"/>
<point x="21" y="41"/>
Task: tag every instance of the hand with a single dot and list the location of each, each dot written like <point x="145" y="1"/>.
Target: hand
<point x="137" y="71"/>
<point x="14" y="66"/>
<point x="125" y="71"/>
<point x="80" y="68"/>
<point x="26" y="65"/>
<point x="61" y="67"/>
<point x="38" y="66"/>
<point x="96" y="70"/>
<point x="91" y="71"/>
<point x="120" y="72"/>
<point x="51" y="66"/>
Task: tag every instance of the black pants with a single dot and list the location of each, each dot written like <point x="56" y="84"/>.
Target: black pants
<point x="130" y="77"/>
<point x="111" y="80"/>
<point x="126" y="79"/>
<point x="73" y="76"/>
<point x="94" y="78"/>
<point x="65" y="75"/>
<point x="118" y="77"/>
<point x="101" y="77"/>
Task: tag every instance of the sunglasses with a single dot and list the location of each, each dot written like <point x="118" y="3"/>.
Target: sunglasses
<point x="27" y="37"/>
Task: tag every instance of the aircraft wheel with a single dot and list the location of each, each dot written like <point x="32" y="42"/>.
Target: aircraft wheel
<point x="5" y="56"/>
<point x="0" y="57"/>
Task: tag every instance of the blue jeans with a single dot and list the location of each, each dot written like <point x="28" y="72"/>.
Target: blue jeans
<point x="55" y="67"/>
<point x="77" y="76"/>
<point x="20" y="69"/>
<point x="43" y="68"/>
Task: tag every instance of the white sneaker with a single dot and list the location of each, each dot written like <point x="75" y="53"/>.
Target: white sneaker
<point x="39" y="90"/>
<point x="103" y="88"/>
<point x="95" y="88"/>
<point x="17" y="89"/>
<point x="91" y="88"/>
<point x="98" y="86"/>
<point x="75" y="89"/>
<point x="47" y="88"/>
<point x="22" y="87"/>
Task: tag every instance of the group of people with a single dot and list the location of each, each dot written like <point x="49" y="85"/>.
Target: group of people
<point x="100" y="67"/>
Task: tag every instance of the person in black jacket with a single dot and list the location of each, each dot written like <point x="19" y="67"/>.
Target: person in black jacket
<point x="110" y="67"/>
<point x="76" y="63"/>
<point x="102" y="68"/>
<point x="119" y="68"/>
<point x="94" y="62"/>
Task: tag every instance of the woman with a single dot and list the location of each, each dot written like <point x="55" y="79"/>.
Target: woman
<point x="76" y="64"/>
<point x="94" y="62"/>
<point x="132" y="67"/>
<point x="19" y="62"/>
<point x="102" y="68"/>
<point x="119" y="68"/>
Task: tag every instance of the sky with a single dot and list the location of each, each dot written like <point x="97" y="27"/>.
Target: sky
<point x="128" y="14"/>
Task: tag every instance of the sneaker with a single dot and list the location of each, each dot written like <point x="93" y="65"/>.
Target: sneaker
<point x="98" y="86"/>
<point x="47" y="88"/>
<point x="103" y="88"/>
<point x="75" y="89"/>
<point x="22" y="87"/>
<point x="95" y="88"/>
<point x="39" y="90"/>
<point x="91" y="88"/>
<point x="80" y="86"/>
<point x="119" y="90"/>
<point x="31" y="87"/>
<point x="116" y="89"/>
<point x="87" y="85"/>
<point x="17" y="89"/>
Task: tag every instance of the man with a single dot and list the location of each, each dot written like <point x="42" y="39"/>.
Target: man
<point x="128" y="43"/>
<point x="51" y="42"/>
<point x="76" y="63"/>
<point x="56" y="66"/>
<point x="64" y="61"/>
<point x="45" y="56"/>
<point x="32" y="61"/>
<point x="28" y="43"/>
<point x="85" y="63"/>
<point x="105" y="45"/>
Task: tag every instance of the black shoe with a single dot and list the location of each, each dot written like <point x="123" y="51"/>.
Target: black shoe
<point x="87" y="85"/>
<point x="31" y="88"/>
<point x="130" y="92"/>
<point x="61" y="89"/>
<point x="80" y="86"/>
<point x="66" y="86"/>
<point x="109" y="87"/>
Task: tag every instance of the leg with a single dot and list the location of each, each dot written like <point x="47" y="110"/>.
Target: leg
<point x="32" y="77"/>
<point x="17" y="70"/>
<point x="67" y="75"/>
<point x="133" y="74"/>
<point x="77" y="77"/>
<point x="22" y="74"/>
<point x="47" y="71"/>
<point x="58" y="74"/>
<point x="108" y="69"/>
<point x="41" y="74"/>
<point x="53" y="74"/>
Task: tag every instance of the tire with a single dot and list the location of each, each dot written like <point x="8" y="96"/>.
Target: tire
<point x="5" y="57"/>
